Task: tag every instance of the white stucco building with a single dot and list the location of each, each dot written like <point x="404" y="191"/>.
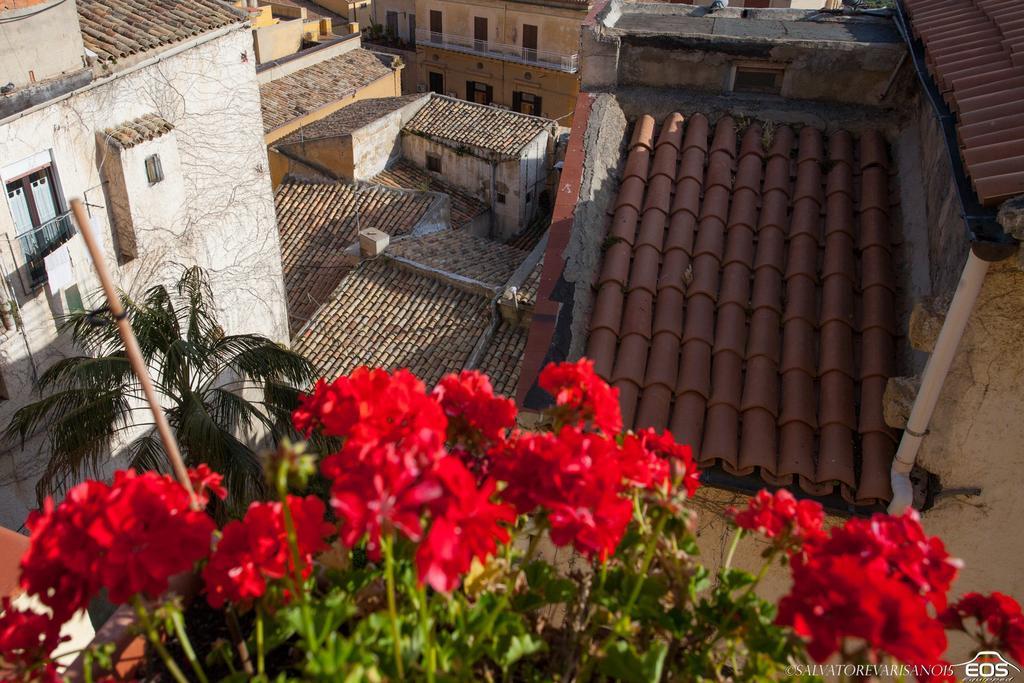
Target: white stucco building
<point x="151" y="115"/>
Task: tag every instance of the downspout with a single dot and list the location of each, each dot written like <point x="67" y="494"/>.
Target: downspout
<point x="989" y="243"/>
<point x="935" y="372"/>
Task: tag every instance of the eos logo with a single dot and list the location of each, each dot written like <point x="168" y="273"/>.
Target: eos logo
<point x="988" y="665"/>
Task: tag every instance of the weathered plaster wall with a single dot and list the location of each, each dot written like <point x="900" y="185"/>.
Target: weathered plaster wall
<point x="278" y="40"/>
<point x="225" y="222"/>
<point x="39" y="41"/>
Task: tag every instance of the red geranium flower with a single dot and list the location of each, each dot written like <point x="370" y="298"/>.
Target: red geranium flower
<point x="650" y="459"/>
<point x="205" y="481"/>
<point x="582" y="396"/>
<point x="780" y="516"/>
<point x="149" y="533"/>
<point x="26" y="638"/>
<point x="476" y="416"/>
<point x="255" y="550"/>
<point x="129" y="537"/>
<point x="467" y="524"/>
<point x="838" y="597"/>
<point x="997" y="614"/>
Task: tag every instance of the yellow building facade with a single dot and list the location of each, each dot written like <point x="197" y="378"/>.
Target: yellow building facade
<point x="520" y="55"/>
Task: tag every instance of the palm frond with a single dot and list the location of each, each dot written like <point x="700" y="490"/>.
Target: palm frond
<point x="147" y="453"/>
<point x="105" y="372"/>
<point x="259" y="358"/>
<point x="230" y="410"/>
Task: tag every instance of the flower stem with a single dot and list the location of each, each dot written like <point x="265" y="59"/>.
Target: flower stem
<point x="298" y="564"/>
<point x="260" y="665"/>
<point x="645" y="566"/>
<point x="154" y="639"/>
<point x="428" y="635"/>
<point x="732" y="548"/>
<point x="389" y="577"/>
<point x="186" y="645"/>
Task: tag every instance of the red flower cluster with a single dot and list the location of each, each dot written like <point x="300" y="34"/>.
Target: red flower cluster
<point x="780" y="517"/>
<point x="129" y="537"/>
<point x="872" y="579"/>
<point x="581" y="396"/>
<point x="26" y="638"/>
<point x="255" y="549"/>
<point x="476" y="417"/>
<point x="394" y="472"/>
<point x="582" y="480"/>
<point x="998" y="616"/>
<point x="205" y="481"/>
<point x="467" y="525"/>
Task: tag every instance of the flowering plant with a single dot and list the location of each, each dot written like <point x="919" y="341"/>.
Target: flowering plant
<point x="455" y="545"/>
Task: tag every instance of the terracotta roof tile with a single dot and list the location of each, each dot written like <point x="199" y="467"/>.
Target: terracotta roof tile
<point x="975" y="52"/>
<point x="117" y="29"/>
<point x="301" y="92"/>
<point x="348" y="119"/>
<point x="463" y="254"/>
<point x="504" y="356"/>
<point x="406" y="175"/>
<point x="459" y="122"/>
<point x="388" y="315"/>
<point x="137" y="131"/>
<point x="317" y="222"/>
<point x="762" y="332"/>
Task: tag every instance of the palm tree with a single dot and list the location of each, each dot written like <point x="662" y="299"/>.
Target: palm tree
<point x="216" y="390"/>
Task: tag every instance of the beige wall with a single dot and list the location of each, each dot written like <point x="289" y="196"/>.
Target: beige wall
<point x="558" y="31"/>
<point x="278" y="40"/>
<point x="39" y="42"/>
<point x="558" y="90"/>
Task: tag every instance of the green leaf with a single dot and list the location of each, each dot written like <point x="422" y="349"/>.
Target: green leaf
<point x="622" y="662"/>
<point x="520" y="646"/>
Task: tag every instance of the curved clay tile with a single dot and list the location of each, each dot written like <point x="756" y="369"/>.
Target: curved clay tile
<point x="687" y="196"/>
<point x="873" y="150"/>
<point x="665" y="162"/>
<point x="623" y="225"/>
<point x="811" y="146"/>
<point x="616" y="265"/>
<point x="697" y="129"/>
<point x="693" y="165"/>
<point x="681" y="230"/>
<point x="753" y="143"/>
<point x="637" y="163"/>
<point x="877" y="323"/>
<point x="671" y="131"/>
<point x="659" y="192"/>
<point x="644" y="275"/>
<point x="725" y="137"/>
<point x="652" y="231"/>
<point x="643" y="133"/>
<point x="839" y="210"/>
<point x="782" y="145"/>
<point x="668" y="315"/>
<point x="631" y="193"/>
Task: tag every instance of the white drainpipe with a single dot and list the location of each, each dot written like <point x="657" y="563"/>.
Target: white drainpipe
<point x="935" y="372"/>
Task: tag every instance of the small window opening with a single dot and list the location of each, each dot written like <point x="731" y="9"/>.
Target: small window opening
<point x="154" y="169"/>
<point x="501" y="197"/>
<point x="433" y="163"/>
<point x="762" y="79"/>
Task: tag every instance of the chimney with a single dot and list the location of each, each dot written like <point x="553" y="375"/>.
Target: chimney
<point x="372" y="242"/>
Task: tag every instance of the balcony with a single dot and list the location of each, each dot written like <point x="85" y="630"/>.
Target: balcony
<point x="37" y="243"/>
<point x="512" y="53"/>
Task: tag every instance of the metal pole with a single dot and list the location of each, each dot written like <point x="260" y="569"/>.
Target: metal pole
<point x="132" y="351"/>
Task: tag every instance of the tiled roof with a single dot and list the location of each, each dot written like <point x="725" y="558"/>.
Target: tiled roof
<point x="295" y="95"/>
<point x="975" y="52"/>
<point x="477" y="125"/>
<point x="465" y="207"/>
<point x="749" y="307"/>
<point x="317" y="222"/>
<point x="504" y="357"/>
<point x="393" y="316"/>
<point x="137" y="131"/>
<point x="348" y="119"/>
<point x="116" y="29"/>
<point x="529" y="237"/>
<point x="458" y="252"/>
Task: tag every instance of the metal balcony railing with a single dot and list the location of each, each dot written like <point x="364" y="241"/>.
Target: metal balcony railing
<point x="37" y="243"/>
<point x="487" y="48"/>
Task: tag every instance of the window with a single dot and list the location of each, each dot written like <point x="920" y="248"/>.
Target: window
<point x="501" y="197"/>
<point x="391" y="24"/>
<point x="433" y="163"/>
<point x="529" y="197"/>
<point x="154" y="169"/>
<point x="412" y="29"/>
<point x="481" y="93"/>
<point x="526" y="102"/>
<point x="529" y="42"/>
<point x="480" y="33"/>
<point x="40" y="223"/>
<point x="763" y="78"/>
<point x="436" y="82"/>
<point x="436" y="32"/>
